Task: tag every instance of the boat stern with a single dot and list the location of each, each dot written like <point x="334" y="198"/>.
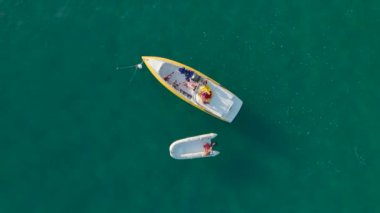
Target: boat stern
<point x="234" y="110"/>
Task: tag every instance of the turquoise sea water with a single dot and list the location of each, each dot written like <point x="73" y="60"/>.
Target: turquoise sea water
<point x="78" y="136"/>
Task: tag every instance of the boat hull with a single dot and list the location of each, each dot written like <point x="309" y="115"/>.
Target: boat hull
<point x="192" y="147"/>
<point x="223" y="105"/>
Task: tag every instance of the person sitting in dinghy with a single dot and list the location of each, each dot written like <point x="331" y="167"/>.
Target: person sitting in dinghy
<point x="208" y="148"/>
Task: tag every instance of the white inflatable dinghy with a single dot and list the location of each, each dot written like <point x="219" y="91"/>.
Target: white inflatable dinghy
<point x="192" y="147"/>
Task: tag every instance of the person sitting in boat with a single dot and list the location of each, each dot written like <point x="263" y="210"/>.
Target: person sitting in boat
<point x="208" y="148"/>
<point x="205" y="94"/>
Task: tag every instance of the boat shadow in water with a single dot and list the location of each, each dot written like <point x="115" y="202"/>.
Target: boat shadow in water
<point x="262" y="133"/>
<point x="264" y="153"/>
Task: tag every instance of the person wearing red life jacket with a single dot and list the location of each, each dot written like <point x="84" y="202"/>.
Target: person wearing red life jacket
<point x="208" y="148"/>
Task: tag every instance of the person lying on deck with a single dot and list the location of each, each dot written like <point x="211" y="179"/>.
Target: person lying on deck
<point x="190" y="84"/>
<point x="175" y="84"/>
<point x="166" y="78"/>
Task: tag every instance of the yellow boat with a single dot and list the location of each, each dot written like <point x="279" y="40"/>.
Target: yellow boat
<point x="194" y="87"/>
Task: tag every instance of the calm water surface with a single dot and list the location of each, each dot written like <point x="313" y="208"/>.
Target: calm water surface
<point x="78" y="136"/>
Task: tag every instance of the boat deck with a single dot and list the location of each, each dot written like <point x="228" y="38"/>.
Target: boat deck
<point x="221" y="100"/>
<point x="177" y="80"/>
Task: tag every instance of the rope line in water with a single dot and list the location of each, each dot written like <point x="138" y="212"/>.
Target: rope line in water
<point x="137" y="67"/>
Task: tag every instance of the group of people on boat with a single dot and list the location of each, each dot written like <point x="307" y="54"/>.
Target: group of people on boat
<point x="193" y="81"/>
